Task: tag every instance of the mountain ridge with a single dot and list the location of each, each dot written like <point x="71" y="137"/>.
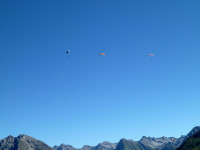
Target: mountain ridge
<point x="25" y="142"/>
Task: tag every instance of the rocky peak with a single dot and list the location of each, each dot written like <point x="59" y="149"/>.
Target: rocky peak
<point x="65" y="147"/>
<point x="155" y="142"/>
<point x="8" y="143"/>
<point x="108" y="144"/>
<point x="105" y="146"/>
<point x="86" y="147"/>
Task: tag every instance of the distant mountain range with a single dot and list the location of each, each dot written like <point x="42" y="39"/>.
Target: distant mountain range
<point x="192" y="139"/>
<point x="101" y="146"/>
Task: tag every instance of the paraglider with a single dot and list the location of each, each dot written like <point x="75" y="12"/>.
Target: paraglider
<point x="102" y="54"/>
<point x="150" y="55"/>
<point x="68" y="51"/>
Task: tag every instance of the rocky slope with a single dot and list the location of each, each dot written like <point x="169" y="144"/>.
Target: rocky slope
<point x="64" y="147"/>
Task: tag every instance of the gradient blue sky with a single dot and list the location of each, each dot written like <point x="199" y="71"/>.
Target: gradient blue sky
<point x="82" y="99"/>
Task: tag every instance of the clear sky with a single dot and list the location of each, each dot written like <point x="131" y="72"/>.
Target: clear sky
<point x="83" y="99"/>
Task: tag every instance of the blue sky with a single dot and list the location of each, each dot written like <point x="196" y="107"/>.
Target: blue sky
<point x="83" y="99"/>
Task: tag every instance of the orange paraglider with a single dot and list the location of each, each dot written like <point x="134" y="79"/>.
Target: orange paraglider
<point x="151" y="55"/>
<point x="102" y="54"/>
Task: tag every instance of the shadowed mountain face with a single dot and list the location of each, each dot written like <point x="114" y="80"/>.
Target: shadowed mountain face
<point x="191" y="143"/>
<point x="192" y="139"/>
<point x="193" y="131"/>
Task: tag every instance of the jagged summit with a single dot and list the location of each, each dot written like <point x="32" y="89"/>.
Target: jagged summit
<point x="155" y="142"/>
<point x="105" y="146"/>
<point x="64" y="147"/>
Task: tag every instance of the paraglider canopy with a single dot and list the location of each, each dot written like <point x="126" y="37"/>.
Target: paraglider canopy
<point x="151" y="55"/>
<point x="102" y="54"/>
